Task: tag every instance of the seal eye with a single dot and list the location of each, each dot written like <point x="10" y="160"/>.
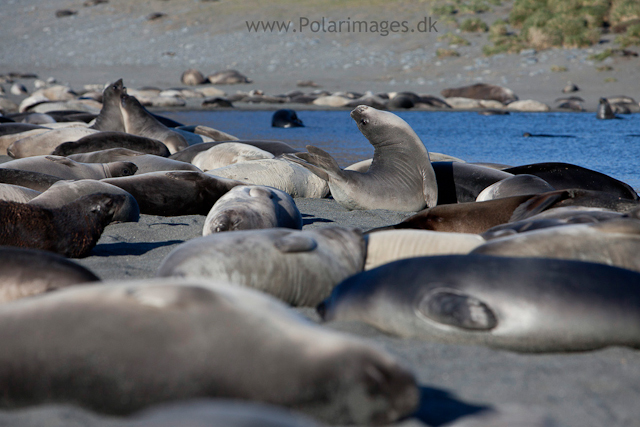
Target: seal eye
<point x="364" y="122"/>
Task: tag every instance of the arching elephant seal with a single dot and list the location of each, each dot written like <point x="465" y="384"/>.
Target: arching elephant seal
<point x="248" y="207"/>
<point x="112" y="364"/>
<point x="27" y="272"/>
<point x="17" y="193"/>
<point x="72" y="230"/>
<point x="174" y="193"/>
<point x="138" y="121"/>
<point x="110" y="117"/>
<point x="299" y="267"/>
<point x="64" y="168"/>
<point x="517" y="185"/>
<point x="228" y="153"/>
<point x="279" y="173"/>
<point x="519" y="304"/>
<point x="64" y="192"/>
<point x="604" y="110"/>
<point x="107" y="140"/>
<point x="400" y="177"/>
<point x="144" y="162"/>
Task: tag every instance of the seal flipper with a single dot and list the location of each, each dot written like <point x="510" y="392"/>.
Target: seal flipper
<point x="317" y="161"/>
<point x="454" y="308"/>
<point x="537" y="204"/>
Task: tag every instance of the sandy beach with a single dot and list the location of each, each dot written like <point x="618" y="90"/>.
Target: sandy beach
<point x="102" y="43"/>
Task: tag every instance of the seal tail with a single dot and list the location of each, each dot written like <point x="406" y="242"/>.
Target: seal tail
<point x="317" y="161"/>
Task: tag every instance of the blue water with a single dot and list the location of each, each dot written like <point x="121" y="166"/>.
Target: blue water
<point x="608" y="146"/>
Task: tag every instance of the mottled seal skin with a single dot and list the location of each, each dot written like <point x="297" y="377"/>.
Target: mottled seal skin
<point x="298" y="267"/>
<point x="286" y="118"/>
<point x="112" y="364"/>
<point x="27" y="272"/>
<point x="400" y="177"/>
<point x="248" y="207"/>
<point x="145" y="162"/>
<point x="276" y="148"/>
<point x="604" y="110"/>
<point x="110" y="117"/>
<point x="463" y="182"/>
<point x="64" y="192"/>
<point x="228" y="153"/>
<point x="176" y="192"/>
<point x="138" y="121"/>
<point x="519" y="304"/>
<point x="17" y="193"/>
<point x="64" y="168"/>
<point x="33" y="180"/>
<point x="615" y="242"/>
<point x="108" y="140"/>
<point x="562" y="176"/>
<point x="72" y="230"/>
<point x="515" y="186"/>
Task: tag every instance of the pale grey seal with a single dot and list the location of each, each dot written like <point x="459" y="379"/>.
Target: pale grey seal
<point x="517" y="185"/>
<point x="17" y="193"/>
<point x="64" y="168"/>
<point x="228" y="153"/>
<point x="145" y="162"/>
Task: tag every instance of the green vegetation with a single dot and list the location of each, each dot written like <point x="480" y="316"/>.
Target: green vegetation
<point x="445" y="53"/>
<point x="601" y="56"/>
<point x="445" y="9"/>
<point x="624" y="10"/>
<point x="630" y="38"/>
<point x="610" y="80"/>
<point x="475" y="6"/>
<point x="558" y="68"/>
<point x="604" y="68"/>
<point x="474" y="25"/>
<point x="454" y="39"/>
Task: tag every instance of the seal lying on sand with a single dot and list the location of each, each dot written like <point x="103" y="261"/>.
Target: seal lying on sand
<point x="64" y="168"/>
<point x="400" y="177"/>
<point x="520" y="304"/>
<point x="115" y="362"/>
<point x="107" y="140"/>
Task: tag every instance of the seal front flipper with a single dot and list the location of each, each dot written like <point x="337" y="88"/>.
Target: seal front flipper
<point x="454" y="308"/>
<point x="317" y="161"/>
<point x="537" y="204"/>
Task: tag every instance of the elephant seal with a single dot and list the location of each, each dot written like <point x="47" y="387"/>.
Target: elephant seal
<point x="44" y="143"/>
<point x="463" y="182"/>
<point x="112" y="364"/>
<point x="17" y="193"/>
<point x="192" y="77"/>
<point x="64" y="192"/>
<point x="400" y="177"/>
<point x="518" y="304"/>
<point x="604" y="110"/>
<point x="481" y="91"/>
<point x="174" y="193"/>
<point x="391" y="245"/>
<point x="228" y="153"/>
<point x="298" y="267"/>
<point x="209" y="132"/>
<point x="562" y="176"/>
<point x="274" y="147"/>
<point x="138" y="121"/>
<point x="517" y="185"/>
<point x="107" y="140"/>
<point x="279" y="173"/>
<point x="64" y="168"/>
<point x="72" y="230"/>
<point x="33" y="180"/>
<point x="248" y="207"/>
<point x="110" y="117"/>
<point x="28" y="272"/>
<point x="286" y="118"/>
<point x="145" y="162"/>
<point x="615" y="242"/>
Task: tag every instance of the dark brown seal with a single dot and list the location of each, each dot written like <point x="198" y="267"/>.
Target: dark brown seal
<point x="72" y="230"/>
<point x="110" y="117"/>
<point x="107" y="140"/>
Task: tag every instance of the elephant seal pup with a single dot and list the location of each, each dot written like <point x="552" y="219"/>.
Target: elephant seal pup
<point x="44" y="143"/>
<point x="72" y="230"/>
<point x="276" y="148"/>
<point x="604" y="110"/>
<point x="517" y="185"/>
<point x="298" y="267"/>
<point x="64" y="192"/>
<point x="33" y="180"/>
<point x="563" y="176"/>
<point x="400" y="177"/>
<point x="463" y="182"/>
<point x="138" y="121"/>
<point x="518" y="304"/>
<point x="228" y="153"/>
<point x="391" y="245"/>
<point x="107" y="140"/>
<point x="64" y="168"/>
<point x="112" y="364"/>
<point x="248" y="207"/>
<point x="145" y="162"/>
<point x="110" y="117"/>
<point x="174" y="193"/>
<point x="28" y="272"/>
<point x="615" y="242"/>
<point x="279" y="173"/>
<point x="17" y="193"/>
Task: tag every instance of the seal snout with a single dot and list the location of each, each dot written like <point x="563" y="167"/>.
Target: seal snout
<point x="359" y="111"/>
